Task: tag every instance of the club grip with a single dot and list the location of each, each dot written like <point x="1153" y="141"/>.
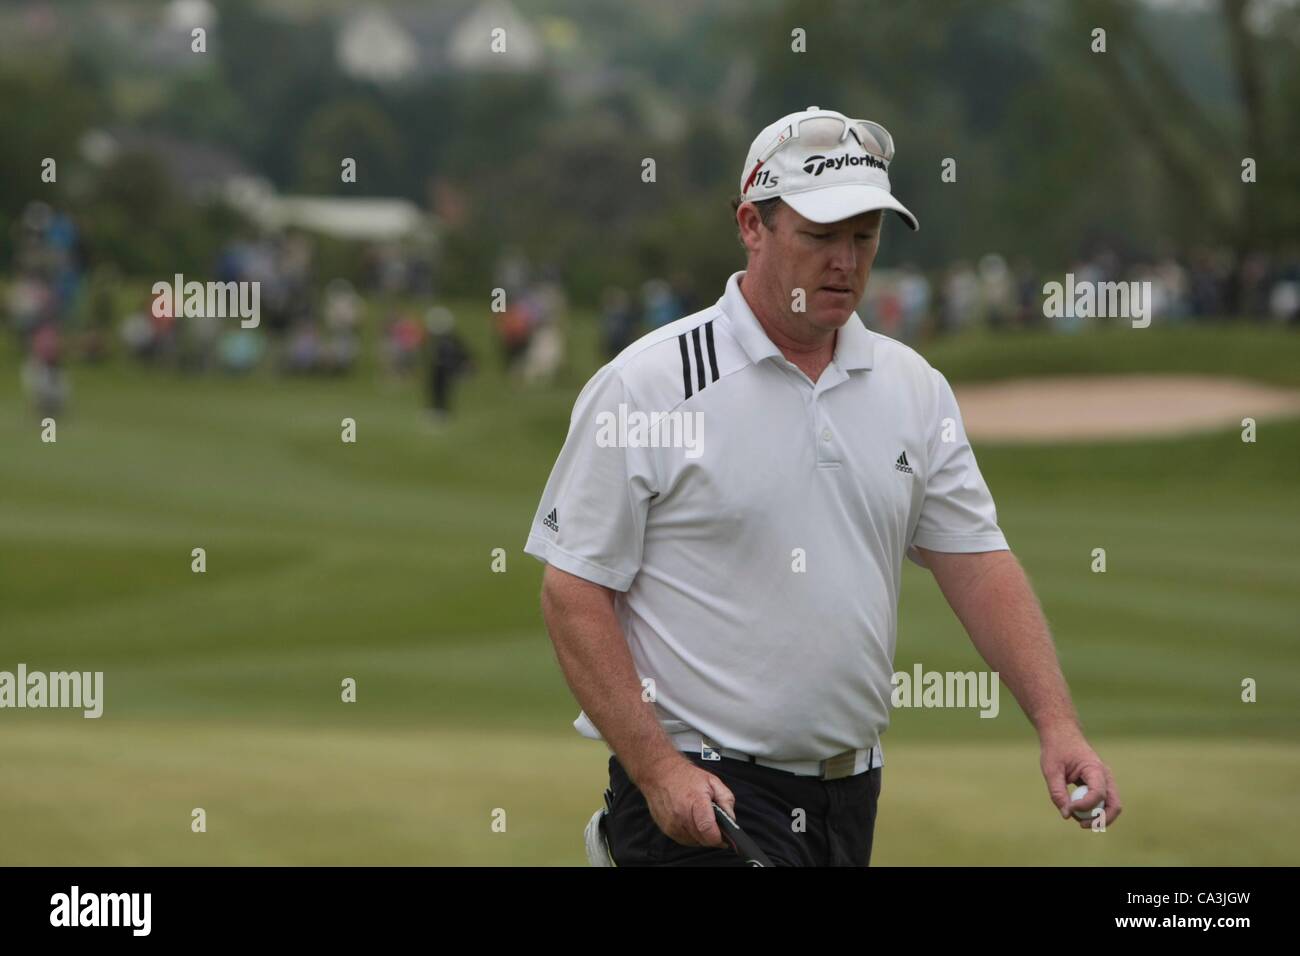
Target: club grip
<point x="741" y="842"/>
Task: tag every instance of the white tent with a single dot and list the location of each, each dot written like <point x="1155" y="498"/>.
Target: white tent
<point x="363" y="219"/>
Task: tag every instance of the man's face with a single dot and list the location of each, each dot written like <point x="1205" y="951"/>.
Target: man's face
<point x="831" y="262"/>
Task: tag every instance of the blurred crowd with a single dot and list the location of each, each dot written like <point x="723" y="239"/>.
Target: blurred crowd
<point x="912" y="306"/>
<point x="61" y="307"/>
<point x="1208" y="283"/>
<point x="49" y="261"/>
<point x="625" y="317"/>
<point x="529" y="309"/>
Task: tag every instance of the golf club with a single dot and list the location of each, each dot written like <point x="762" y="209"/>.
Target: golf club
<point x="739" y="840"/>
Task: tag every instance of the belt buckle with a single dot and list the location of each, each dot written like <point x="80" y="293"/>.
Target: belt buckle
<point x="709" y="750"/>
<point x="841" y="765"/>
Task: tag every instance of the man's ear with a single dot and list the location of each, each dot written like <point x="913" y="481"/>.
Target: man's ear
<point x="749" y="222"/>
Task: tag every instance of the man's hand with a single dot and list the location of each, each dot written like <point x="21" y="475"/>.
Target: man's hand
<point x="991" y="596"/>
<point x="681" y="797"/>
<point x="1067" y="758"/>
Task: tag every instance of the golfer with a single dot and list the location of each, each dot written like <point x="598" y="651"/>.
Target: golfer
<point x="725" y="528"/>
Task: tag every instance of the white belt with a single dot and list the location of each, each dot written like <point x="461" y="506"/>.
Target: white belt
<point x="846" y="764"/>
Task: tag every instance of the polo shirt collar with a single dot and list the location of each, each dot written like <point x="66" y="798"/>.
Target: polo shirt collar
<point x="744" y="324"/>
<point x="854" y="346"/>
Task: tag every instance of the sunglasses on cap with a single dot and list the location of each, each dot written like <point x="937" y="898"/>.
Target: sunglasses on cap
<point x="827" y="132"/>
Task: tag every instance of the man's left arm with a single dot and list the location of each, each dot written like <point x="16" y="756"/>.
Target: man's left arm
<point x="991" y="596"/>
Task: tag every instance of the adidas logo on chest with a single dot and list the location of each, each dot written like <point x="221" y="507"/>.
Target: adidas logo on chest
<point x="902" y="464"/>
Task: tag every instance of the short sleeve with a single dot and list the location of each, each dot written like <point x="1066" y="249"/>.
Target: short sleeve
<point x="957" y="514"/>
<point x="592" y="516"/>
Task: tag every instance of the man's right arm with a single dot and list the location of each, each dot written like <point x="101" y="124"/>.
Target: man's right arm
<point x="597" y="664"/>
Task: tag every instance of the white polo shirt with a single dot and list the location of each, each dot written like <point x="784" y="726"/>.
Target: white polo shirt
<point x="759" y="560"/>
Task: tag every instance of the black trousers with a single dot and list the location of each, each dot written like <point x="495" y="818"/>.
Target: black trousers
<point x="834" y="829"/>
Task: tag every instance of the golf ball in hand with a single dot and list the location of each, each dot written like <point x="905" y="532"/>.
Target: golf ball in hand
<point x="1084" y="815"/>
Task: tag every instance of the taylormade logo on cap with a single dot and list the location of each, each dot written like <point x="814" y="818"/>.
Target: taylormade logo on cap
<point x="825" y="165"/>
<point x="816" y="164"/>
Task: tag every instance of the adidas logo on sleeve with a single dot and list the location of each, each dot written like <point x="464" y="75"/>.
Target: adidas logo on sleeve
<point x="552" y="520"/>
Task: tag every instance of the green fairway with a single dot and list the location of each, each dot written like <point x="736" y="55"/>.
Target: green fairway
<point x="374" y="561"/>
<point x="123" y="795"/>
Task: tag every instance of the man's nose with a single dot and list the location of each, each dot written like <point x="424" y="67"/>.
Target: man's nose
<point x="844" y="255"/>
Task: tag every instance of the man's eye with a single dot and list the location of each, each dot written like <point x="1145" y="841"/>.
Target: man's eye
<point x="820" y="235"/>
<point x="865" y="236"/>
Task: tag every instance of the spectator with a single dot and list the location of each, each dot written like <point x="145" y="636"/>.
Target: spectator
<point x="448" y="360"/>
<point x="660" y="306"/>
<point x="514" y="328"/>
<point x="403" y="337"/>
<point x="618" y="324"/>
<point x="545" y="353"/>
<point x="42" y="373"/>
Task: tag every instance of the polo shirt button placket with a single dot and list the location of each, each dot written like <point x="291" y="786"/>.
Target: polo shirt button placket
<point x="823" y="436"/>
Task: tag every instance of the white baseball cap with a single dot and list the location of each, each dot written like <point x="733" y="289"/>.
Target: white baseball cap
<point x="826" y="166"/>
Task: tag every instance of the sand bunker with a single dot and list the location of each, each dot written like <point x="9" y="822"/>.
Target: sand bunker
<point x="1101" y="407"/>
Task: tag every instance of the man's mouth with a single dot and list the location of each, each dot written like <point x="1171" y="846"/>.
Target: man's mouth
<point x="839" y="289"/>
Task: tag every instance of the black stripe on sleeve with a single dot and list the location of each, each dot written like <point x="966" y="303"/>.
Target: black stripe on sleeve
<point x="686" y="364"/>
<point x="699" y="357"/>
<point x="713" y="356"/>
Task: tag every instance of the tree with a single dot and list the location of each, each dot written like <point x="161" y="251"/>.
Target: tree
<point x="1200" y="152"/>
